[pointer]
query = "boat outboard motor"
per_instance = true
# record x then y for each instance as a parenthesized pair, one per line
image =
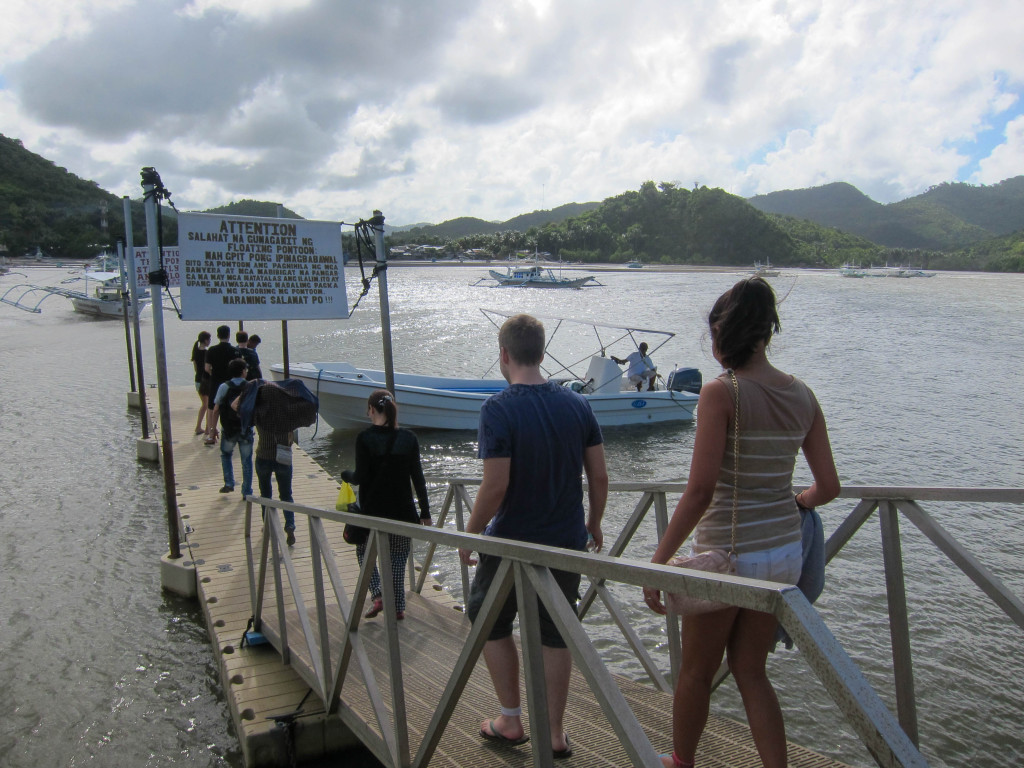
(684, 380)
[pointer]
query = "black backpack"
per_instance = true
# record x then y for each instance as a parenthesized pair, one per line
(230, 422)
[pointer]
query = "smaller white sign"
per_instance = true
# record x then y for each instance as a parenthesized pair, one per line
(172, 263)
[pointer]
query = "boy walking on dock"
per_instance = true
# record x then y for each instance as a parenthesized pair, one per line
(536, 440)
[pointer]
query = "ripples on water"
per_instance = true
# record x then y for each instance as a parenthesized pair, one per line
(917, 378)
(99, 666)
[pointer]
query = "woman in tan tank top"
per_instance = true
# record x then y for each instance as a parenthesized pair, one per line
(778, 417)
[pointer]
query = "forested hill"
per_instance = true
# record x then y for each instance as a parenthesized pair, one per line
(947, 217)
(664, 223)
(256, 208)
(43, 205)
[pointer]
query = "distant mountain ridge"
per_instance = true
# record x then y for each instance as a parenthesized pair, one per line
(947, 217)
(469, 225)
(255, 208)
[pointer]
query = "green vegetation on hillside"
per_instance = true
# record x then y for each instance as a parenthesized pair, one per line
(948, 217)
(663, 223)
(44, 206)
(999, 254)
(998, 209)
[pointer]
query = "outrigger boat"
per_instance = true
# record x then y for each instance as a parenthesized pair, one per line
(765, 270)
(851, 270)
(442, 402)
(535, 276)
(105, 300)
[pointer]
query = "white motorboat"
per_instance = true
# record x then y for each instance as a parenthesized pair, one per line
(442, 402)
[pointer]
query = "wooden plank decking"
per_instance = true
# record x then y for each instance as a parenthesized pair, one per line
(259, 687)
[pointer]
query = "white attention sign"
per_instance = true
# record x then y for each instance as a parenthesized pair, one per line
(248, 268)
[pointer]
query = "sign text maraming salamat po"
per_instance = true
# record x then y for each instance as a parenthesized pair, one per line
(248, 268)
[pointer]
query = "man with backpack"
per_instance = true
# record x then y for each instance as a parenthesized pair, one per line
(231, 432)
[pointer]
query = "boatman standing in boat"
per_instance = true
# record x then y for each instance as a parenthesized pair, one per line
(641, 368)
(536, 440)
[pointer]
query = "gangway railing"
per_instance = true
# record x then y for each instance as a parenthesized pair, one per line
(887, 501)
(527, 567)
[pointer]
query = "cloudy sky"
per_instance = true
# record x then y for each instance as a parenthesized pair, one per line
(431, 109)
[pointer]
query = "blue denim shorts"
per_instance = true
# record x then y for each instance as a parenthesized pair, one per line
(782, 564)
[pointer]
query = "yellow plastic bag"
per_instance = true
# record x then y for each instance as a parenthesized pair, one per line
(345, 497)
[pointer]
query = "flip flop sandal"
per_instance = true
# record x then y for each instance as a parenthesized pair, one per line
(563, 754)
(492, 734)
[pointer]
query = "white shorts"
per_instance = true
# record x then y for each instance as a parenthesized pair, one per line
(782, 564)
(635, 379)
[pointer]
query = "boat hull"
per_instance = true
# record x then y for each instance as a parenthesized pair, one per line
(437, 402)
(100, 307)
(538, 281)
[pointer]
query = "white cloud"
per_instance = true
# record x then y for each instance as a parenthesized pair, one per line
(1010, 154)
(431, 110)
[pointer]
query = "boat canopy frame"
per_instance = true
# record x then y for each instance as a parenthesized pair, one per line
(619, 332)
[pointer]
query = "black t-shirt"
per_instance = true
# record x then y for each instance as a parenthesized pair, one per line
(218, 356)
(199, 361)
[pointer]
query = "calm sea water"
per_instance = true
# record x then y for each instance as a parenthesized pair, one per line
(918, 380)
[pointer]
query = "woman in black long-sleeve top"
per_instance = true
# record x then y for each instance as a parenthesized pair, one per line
(387, 469)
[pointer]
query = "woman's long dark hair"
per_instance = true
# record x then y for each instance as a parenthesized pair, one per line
(203, 336)
(383, 401)
(743, 316)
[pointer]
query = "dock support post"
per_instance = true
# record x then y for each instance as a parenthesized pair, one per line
(133, 287)
(385, 307)
(179, 576)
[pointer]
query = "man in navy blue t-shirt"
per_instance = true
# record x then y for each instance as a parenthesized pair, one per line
(536, 440)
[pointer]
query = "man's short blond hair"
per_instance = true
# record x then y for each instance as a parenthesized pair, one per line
(523, 337)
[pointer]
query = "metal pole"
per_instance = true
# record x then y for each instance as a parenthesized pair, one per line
(385, 309)
(150, 180)
(124, 315)
(284, 347)
(129, 238)
(284, 323)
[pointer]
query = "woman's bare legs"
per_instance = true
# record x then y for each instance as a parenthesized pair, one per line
(704, 642)
(751, 639)
(202, 412)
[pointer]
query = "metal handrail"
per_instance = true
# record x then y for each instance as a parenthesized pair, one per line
(528, 566)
